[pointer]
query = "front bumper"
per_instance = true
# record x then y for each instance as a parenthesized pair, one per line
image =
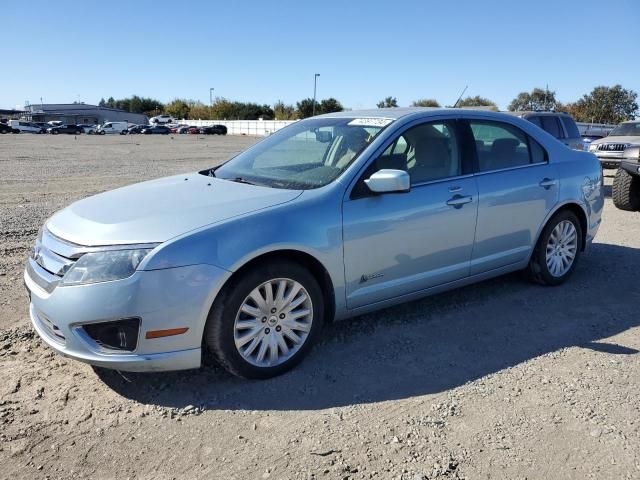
(162, 299)
(609, 159)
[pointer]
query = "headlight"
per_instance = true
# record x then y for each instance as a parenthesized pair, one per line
(592, 147)
(104, 266)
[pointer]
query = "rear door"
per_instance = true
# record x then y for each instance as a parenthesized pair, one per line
(517, 188)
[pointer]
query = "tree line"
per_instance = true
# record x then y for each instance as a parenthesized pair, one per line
(602, 105)
(224, 109)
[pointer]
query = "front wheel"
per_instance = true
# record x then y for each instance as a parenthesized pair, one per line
(558, 249)
(265, 321)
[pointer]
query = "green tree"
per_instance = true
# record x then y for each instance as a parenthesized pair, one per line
(102, 102)
(329, 105)
(178, 108)
(425, 102)
(477, 101)
(605, 105)
(199, 111)
(388, 102)
(281, 111)
(304, 108)
(539, 100)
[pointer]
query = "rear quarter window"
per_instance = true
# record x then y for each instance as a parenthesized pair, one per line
(552, 126)
(570, 126)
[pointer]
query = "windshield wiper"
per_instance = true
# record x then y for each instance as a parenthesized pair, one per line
(242, 180)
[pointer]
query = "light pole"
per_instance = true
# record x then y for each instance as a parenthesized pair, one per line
(211, 96)
(315, 82)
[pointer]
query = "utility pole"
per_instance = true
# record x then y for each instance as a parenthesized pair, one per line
(315, 83)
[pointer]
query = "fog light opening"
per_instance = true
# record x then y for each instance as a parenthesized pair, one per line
(116, 335)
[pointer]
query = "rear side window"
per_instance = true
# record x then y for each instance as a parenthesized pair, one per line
(570, 126)
(535, 121)
(552, 126)
(501, 145)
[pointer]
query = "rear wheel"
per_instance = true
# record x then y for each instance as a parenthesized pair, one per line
(266, 320)
(78, 132)
(626, 191)
(558, 250)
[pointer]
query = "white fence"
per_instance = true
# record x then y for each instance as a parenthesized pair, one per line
(260, 128)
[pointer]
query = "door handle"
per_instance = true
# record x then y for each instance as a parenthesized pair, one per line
(457, 201)
(547, 183)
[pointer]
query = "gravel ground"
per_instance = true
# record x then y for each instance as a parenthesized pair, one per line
(503, 379)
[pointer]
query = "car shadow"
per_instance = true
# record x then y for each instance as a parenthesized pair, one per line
(426, 346)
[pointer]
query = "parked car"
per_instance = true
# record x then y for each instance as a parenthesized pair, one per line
(119, 128)
(193, 130)
(69, 129)
(161, 119)
(214, 130)
(184, 129)
(23, 126)
(88, 129)
(626, 184)
(175, 128)
(560, 125)
(5, 128)
(136, 129)
(610, 150)
(155, 130)
(328, 218)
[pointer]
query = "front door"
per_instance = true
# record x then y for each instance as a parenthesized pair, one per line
(400, 243)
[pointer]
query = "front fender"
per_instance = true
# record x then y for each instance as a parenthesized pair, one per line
(312, 224)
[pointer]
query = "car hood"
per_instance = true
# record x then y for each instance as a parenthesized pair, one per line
(155, 211)
(617, 139)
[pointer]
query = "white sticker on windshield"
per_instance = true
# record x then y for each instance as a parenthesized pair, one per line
(371, 122)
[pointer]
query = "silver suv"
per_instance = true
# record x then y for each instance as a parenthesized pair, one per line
(558, 124)
(610, 149)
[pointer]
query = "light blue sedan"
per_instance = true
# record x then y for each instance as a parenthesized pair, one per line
(331, 217)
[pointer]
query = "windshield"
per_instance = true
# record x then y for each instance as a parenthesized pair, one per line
(626, 130)
(307, 154)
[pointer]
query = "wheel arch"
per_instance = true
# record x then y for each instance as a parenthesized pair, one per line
(574, 207)
(311, 263)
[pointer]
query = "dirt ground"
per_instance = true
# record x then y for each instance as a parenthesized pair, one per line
(503, 379)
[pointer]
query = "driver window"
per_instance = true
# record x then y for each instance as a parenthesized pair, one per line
(427, 152)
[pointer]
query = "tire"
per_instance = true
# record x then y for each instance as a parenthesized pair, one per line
(55, 132)
(78, 132)
(626, 191)
(102, 132)
(221, 332)
(541, 269)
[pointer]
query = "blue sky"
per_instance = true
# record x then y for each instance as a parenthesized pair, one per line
(263, 51)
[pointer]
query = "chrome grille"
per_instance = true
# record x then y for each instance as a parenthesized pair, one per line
(611, 147)
(53, 255)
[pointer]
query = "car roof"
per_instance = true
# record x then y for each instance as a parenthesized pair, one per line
(402, 112)
(533, 112)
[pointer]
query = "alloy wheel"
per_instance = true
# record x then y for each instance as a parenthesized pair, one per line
(562, 248)
(273, 322)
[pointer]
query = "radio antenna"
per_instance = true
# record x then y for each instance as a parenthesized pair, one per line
(460, 97)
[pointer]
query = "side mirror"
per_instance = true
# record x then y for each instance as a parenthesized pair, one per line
(389, 181)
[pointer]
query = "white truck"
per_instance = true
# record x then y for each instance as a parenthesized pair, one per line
(112, 128)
